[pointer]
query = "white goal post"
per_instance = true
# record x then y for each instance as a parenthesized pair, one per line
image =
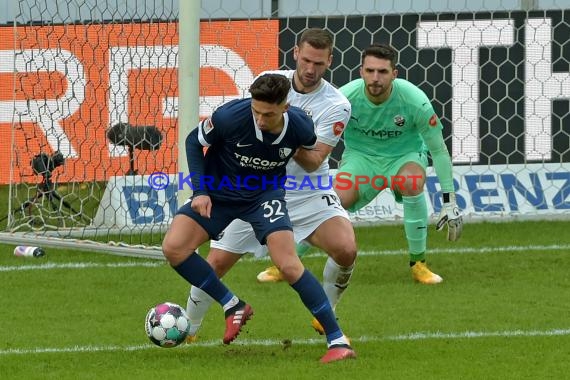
(498, 78)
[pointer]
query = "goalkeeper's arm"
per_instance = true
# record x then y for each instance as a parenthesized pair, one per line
(450, 214)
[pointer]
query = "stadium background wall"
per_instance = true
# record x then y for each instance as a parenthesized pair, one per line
(501, 82)
(498, 74)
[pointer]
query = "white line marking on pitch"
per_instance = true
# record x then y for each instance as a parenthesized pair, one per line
(273, 342)
(81, 266)
(464, 250)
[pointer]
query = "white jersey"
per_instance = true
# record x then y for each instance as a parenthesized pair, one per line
(308, 209)
(330, 111)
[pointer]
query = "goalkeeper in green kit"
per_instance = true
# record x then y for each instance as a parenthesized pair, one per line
(392, 128)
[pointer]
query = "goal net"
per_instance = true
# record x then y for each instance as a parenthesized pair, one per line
(91, 101)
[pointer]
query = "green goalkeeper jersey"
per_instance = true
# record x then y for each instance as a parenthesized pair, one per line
(393, 128)
(406, 122)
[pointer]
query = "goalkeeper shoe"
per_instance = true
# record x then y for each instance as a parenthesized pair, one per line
(191, 339)
(271, 274)
(317, 326)
(338, 352)
(320, 330)
(421, 273)
(236, 317)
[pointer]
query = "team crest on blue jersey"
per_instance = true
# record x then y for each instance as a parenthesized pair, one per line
(284, 152)
(399, 120)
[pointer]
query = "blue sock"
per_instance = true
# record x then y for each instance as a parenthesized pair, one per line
(199, 273)
(315, 299)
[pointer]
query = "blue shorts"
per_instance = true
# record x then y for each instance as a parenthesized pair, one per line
(266, 214)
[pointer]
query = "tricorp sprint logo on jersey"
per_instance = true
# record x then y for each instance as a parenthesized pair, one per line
(260, 163)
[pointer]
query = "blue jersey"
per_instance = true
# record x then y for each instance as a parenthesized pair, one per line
(242, 162)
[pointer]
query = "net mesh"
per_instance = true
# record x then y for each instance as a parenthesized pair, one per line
(498, 78)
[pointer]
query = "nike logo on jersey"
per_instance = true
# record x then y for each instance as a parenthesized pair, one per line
(271, 220)
(240, 145)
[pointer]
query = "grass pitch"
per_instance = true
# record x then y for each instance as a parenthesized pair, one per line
(501, 313)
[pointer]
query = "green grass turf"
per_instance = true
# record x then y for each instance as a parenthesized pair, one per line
(501, 313)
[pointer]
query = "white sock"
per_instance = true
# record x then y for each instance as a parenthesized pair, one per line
(342, 340)
(335, 280)
(198, 304)
(231, 303)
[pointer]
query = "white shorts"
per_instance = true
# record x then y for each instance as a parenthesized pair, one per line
(307, 211)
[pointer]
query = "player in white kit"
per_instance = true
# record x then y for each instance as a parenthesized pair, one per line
(314, 208)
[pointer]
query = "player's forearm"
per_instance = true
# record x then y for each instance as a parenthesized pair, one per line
(312, 159)
(195, 157)
(441, 159)
(444, 170)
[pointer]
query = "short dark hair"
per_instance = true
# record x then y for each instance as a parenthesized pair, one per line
(270, 88)
(317, 38)
(381, 51)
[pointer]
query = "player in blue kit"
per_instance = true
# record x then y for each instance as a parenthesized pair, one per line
(314, 210)
(251, 138)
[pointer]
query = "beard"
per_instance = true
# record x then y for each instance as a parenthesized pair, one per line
(376, 90)
(309, 81)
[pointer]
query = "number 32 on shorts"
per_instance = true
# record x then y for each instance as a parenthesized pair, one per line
(273, 210)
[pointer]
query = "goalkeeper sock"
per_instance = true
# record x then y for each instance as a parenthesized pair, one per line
(412, 263)
(415, 225)
(198, 304)
(335, 280)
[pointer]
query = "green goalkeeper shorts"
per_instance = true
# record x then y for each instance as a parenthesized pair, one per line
(376, 174)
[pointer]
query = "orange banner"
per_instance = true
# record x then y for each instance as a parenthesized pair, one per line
(63, 86)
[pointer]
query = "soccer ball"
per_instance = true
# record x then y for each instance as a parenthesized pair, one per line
(167, 324)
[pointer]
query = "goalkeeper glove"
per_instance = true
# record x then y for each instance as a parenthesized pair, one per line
(451, 216)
